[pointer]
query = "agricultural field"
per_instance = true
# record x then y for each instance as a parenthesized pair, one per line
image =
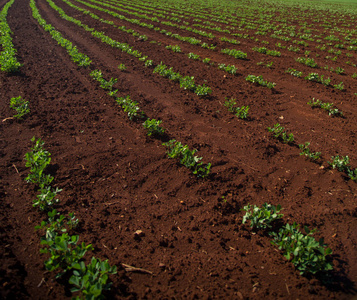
(178, 149)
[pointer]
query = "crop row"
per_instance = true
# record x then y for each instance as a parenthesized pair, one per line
(66, 255)
(187, 39)
(131, 108)
(8, 61)
(188, 82)
(291, 48)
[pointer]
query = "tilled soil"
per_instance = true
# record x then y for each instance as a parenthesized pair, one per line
(118, 180)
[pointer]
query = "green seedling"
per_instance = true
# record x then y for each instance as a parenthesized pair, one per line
(122, 67)
(20, 105)
(294, 72)
(325, 106)
(193, 56)
(307, 254)
(305, 150)
(240, 112)
(92, 279)
(188, 158)
(279, 133)
(260, 81)
(153, 127)
(130, 107)
(261, 218)
(37, 160)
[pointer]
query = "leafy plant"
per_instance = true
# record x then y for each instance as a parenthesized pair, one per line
(153, 127)
(240, 112)
(231, 69)
(339, 86)
(279, 133)
(206, 60)
(193, 56)
(325, 106)
(307, 254)
(203, 90)
(235, 53)
(188, 158)
(261, 218)
(260, 80)
(122, 67)
(294, 72)
(104, 84)
(46, 198)
(175, 48)
(131, 107)
(148, 63)
(320, 79)
(188, 83)
(305, 150)
(20, 105)
(37, 160)
(91, 280)
(307, 61)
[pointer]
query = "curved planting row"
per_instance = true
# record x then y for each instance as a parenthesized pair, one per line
(8, 60)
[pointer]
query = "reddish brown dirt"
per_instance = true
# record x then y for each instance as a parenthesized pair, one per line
(117, 180)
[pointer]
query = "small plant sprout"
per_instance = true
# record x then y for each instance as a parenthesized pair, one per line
(261, 218)
(305, 150)
(279, 133)
(37, 160)
(153, 127)
(193, 56)
(294, 72)
(131, 107)
(339, 86)
(341, 164)
(240, 112)
(260, 80)
(325, 106)
(187, 158)
(307, 254)
(122, 67)
(20, 105)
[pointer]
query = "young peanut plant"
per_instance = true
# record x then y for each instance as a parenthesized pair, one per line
(325, 106)
(305, 150)
(240, 112)
(261, 218)
(260, 81)
(153, 127)
(20, 105)
(341, 164)
(307, 254)
(37, 160)
(279, 133)
(187, 158)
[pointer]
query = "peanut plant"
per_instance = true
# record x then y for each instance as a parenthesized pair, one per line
(260, 81)
(307, 254)
(279, 133)
(261, 218)
(341, 164)
(305, 150)
(153, 127)
(325, 106)
(187, 158)
(20, 105)
(130, 107)
(240, 112)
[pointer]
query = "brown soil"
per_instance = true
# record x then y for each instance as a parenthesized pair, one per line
(117, 180)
